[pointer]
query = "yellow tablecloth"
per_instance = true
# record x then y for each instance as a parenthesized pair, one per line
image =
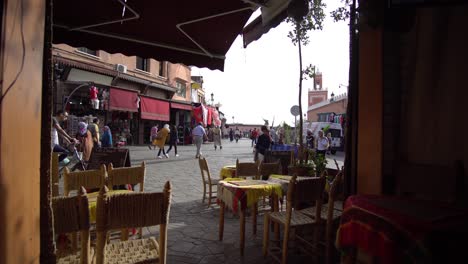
(228, 171)
(92, 199)
(247, 195)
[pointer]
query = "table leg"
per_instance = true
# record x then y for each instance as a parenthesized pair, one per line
(254, 218)
(221, 220)
(242, 231)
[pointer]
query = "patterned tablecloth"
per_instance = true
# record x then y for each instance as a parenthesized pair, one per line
(228, 171)
(241, 194)
(398, 230)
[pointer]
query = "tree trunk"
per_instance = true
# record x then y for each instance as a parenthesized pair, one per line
(301, 144)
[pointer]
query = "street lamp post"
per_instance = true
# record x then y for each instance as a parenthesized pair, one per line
(331, 97)
(212, 100)
(233, 120)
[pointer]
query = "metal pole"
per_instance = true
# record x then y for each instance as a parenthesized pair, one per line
(295, 130)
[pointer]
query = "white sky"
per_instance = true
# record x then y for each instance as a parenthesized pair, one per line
(262, 80)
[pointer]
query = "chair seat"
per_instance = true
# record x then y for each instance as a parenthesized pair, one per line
(311, 212)
(133, 251)
(297, 218)
(70, 256)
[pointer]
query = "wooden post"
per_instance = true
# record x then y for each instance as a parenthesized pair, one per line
(221, 220)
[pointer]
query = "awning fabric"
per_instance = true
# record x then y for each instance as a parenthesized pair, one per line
(123, 100)
(195, 33)
(154, 109)
(181, 106)
(256, 29)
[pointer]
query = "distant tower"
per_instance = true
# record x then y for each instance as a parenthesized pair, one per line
(318, 94)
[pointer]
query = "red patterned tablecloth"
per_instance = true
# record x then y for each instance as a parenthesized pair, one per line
(397, 230)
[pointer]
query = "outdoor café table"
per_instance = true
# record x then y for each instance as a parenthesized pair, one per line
(228, 171)
(402, 230)
(238, 195)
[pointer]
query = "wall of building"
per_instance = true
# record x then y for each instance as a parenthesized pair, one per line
(108, 61)
(182, 73)
(316, 97)
(337, 107)
(20, 125)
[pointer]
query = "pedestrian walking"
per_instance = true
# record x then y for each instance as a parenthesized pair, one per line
(94, 129)
(198, 134)
(231, 135)
(161, 140)
(173, 138)
(85, 138)
(264, 142)
(322, 144)
(153, 135)
(253, 136)
(237, 134)
(217, 137)
(106, 139)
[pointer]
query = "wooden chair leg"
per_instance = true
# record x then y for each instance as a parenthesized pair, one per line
(266, 233)
(204, 193)
(221, 220)
(284, 257)
(209, 196)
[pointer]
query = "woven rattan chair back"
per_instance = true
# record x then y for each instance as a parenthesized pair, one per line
(89, 179)
(126, 175)
(132, 210)
(247, 169)
(266, 169)
(71, 215)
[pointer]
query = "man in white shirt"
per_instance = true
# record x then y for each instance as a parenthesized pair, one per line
(322, 144)
(198, 133)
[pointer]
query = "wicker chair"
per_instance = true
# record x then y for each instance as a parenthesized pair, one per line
(132, 210)
(89, 179)
(126, 175)
(247, 169)
(304, 190)
(71, 215)
(330, 213)
(207, 181)
(266, 169)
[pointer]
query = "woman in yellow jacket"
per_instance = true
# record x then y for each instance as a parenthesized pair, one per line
(161, 140)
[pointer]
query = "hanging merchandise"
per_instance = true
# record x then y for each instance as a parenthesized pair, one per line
(138, 102)
(105, 100)
(205, 114)
(209, 116)
(216, 120)
(198, 114)
(93, 96)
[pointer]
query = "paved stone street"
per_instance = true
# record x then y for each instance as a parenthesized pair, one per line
(193, 228)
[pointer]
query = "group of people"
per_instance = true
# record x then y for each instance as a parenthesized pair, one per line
(234, 134)
(159, 137)
(85, 140)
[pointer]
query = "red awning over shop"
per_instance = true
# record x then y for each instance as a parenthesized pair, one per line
(123, 100)
(181, 106)
(153, 109)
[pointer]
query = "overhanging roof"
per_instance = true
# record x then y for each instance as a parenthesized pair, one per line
(191, 32)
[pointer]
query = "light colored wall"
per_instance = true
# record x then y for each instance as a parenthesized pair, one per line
(182, 73)
(338, 107)
(20, 124)
(108, 61)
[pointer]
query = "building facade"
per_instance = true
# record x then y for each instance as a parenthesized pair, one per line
(132, 94)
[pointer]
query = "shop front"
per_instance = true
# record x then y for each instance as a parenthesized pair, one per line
(122, 117)
(181, 117)
(153, 112)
